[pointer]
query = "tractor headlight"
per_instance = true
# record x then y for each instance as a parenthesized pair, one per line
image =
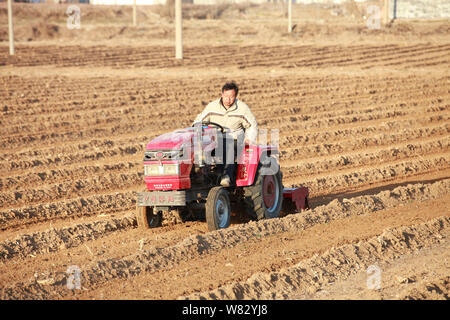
(167, 169)
(171, 169)
(151, 170)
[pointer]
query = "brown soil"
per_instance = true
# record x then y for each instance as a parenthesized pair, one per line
(363, 119)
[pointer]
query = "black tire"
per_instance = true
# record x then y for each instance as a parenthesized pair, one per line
(146, 219)
(257, 207)
(218, 209)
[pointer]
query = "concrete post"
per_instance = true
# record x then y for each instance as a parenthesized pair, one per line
(289, 16)
(10, 28)
(178, 30)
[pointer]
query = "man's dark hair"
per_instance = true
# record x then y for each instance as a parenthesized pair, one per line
(230, 86)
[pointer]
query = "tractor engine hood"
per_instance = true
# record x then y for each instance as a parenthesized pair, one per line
(183, 139)
(172, 140)
(172, 148)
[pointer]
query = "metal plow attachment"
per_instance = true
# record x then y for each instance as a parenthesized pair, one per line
(295, 199)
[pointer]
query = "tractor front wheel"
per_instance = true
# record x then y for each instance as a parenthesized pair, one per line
(147, 219)
(218, 209)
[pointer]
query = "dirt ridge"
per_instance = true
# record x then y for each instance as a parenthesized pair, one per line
(151, 259)
(337, 263)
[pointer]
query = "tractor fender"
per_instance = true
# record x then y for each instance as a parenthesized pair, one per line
(249, 160)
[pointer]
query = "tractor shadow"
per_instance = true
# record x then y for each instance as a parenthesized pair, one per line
(326, 199)
(239, 216)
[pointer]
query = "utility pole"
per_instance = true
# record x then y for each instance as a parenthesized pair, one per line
(10, 29)
(134, 13)
(395, 10)
(178, 31)
(386, 12)
(289, 16)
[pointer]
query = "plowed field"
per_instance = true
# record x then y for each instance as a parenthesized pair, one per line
(364, 124)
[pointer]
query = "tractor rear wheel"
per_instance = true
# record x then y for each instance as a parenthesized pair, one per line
(147, 219)
(265, 197)
(218, 209)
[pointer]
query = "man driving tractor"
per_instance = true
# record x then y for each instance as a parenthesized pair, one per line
(235, 116)
(196, 183)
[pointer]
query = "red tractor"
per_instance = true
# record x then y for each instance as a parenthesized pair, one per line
(183, 177)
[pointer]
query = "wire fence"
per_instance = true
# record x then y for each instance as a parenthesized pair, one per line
(420, 9)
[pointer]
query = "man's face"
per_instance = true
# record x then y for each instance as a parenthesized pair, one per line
(228, 97)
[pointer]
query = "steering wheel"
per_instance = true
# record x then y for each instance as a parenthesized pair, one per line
(207, 123)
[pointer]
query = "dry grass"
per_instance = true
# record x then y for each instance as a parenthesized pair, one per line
(201, 12)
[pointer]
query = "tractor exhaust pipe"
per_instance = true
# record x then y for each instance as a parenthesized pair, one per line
(198, 152)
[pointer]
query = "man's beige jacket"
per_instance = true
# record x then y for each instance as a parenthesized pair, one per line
(236, 118)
